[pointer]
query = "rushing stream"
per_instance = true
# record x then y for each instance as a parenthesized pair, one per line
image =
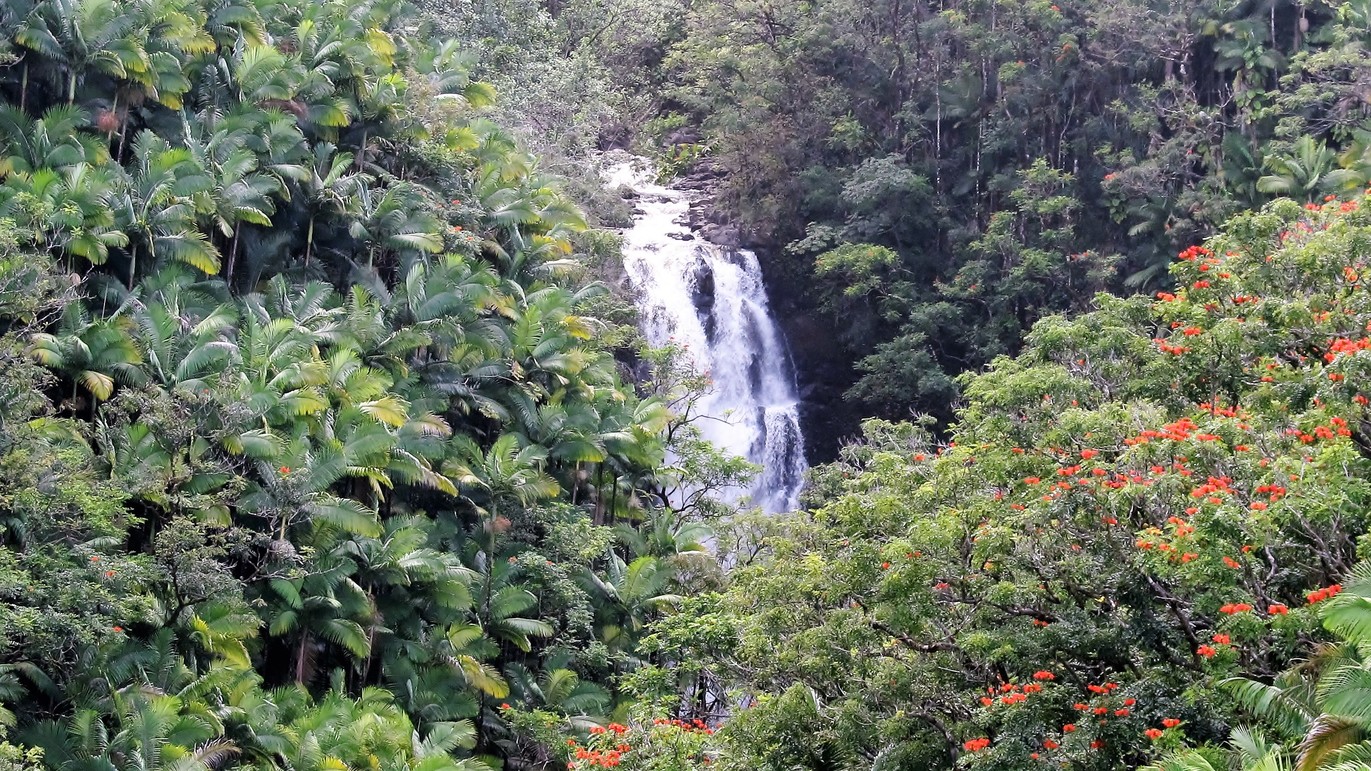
(711, 300)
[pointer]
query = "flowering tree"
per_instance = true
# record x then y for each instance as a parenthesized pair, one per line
(1152, 498)
(661, 745)
(1317, 713)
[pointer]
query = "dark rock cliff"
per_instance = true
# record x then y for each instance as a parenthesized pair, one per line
(823, 371)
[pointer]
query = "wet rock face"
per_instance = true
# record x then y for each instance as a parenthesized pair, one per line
(702, 295)
(711, 301)
(823, 373)
(688, 135)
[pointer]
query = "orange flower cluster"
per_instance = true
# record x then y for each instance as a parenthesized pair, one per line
(1011, 693)
(1319, 595)
(1177, 431)
(1190, 254)
(1213, 487)
(594, 758)
(1174, 350)
(1344, 346)
(692, 726)
(1234, 608)
(607, 758)
(976, 745)
(611, 743)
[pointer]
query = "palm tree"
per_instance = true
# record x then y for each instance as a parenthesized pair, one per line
(325, 603)
(371, 731)
(506, 474)
(448, 69)
(52, 141)
(67, 211)
(97, 37)
(1251, 751)
(328, 189)
(181, 345)
(558, 688)
(94, 355)
(396, 568)
(157, 206)
(149, 731)
(175, 32)
(239, 192)
(33, 32)
(632, 592)
(394, 219)
(1305, 174)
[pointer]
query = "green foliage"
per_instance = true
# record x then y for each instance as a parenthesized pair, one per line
(311, 441)
(1153, 498)
(1014, 157)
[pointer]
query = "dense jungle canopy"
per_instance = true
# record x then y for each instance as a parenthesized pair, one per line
(330, 439)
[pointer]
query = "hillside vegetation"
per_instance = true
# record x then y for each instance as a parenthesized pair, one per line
(312, 444)
(327, 442)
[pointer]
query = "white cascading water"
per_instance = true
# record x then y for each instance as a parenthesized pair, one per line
(711, 301)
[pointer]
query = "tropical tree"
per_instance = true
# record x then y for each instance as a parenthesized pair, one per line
(157, 206)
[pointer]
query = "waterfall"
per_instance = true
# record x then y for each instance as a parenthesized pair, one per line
(711, 301)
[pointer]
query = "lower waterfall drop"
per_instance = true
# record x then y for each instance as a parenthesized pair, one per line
(711, 300)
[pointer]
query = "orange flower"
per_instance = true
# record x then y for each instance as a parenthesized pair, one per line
(1153, 733)
(1170, 722)
(1206, 651)
(1277, 609)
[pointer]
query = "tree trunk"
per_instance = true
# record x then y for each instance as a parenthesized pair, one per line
(233, 257)
(300, 659)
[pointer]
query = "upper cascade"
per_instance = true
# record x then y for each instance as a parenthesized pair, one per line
(712, 302)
